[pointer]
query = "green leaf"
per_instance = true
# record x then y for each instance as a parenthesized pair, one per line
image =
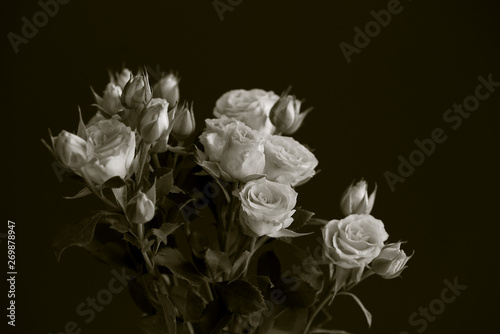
(111, 253)
(121, 196)
(291, 321)
(214, 318)
(114, 182)
(301, 296)
(151, 324)
(132, 240)
(163, 232)
(146, 246)
(318, 222)
(168, 312)
(173, 260)
(240, 297)
(218, 264)
(164, 181)
(82, 193)
(139, 294)
(265, 325)
(78, 234)
(300, 218)
(269, 265)
(118, 222)
(188, 302)
(367, 313)
(284, 233)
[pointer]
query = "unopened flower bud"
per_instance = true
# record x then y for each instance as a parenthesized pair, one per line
(390, 262)
(120, 78)
(154, 120)
(299, 117)
(184, 123)
(140, 209)
(355, 199)
(136, 92)
(111, 103)
(71, 150)
(167, 88)
(282, 114)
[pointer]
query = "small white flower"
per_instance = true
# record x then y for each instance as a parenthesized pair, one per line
(251, 107)
(355, 199)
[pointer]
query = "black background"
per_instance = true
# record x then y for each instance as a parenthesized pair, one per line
(367, 113)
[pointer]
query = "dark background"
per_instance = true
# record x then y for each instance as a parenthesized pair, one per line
(367, 113)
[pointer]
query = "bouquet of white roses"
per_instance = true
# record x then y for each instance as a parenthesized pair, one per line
(208, 224)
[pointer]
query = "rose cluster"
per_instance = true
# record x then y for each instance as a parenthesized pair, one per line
(138, 154)
(129, 113)
(355, 242)
(243, 147)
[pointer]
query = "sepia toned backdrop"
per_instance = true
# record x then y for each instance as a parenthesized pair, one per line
(386, 80)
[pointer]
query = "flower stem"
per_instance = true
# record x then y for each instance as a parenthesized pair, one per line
(143, 157)
(325, 300)
(155, 161)
(92, 188)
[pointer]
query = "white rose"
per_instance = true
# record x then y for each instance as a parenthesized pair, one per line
(237, 149)
(391, 261)
(354, 241)
(266, 207)
(244, 154)
(216, 136)
(288, 161)
(98, 116)
(113, 147)
(71, 150)
(252, 107)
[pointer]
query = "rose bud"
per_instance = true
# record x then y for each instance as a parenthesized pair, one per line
(299, 116)
(355, 199)
(136, 92)
(120, 78)
(71, 150)
(282, 114)
(140, 209)
(154, 120)
(184, 123)
(111, 99)
(391, 261)
(167, 88)
(162, 144)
